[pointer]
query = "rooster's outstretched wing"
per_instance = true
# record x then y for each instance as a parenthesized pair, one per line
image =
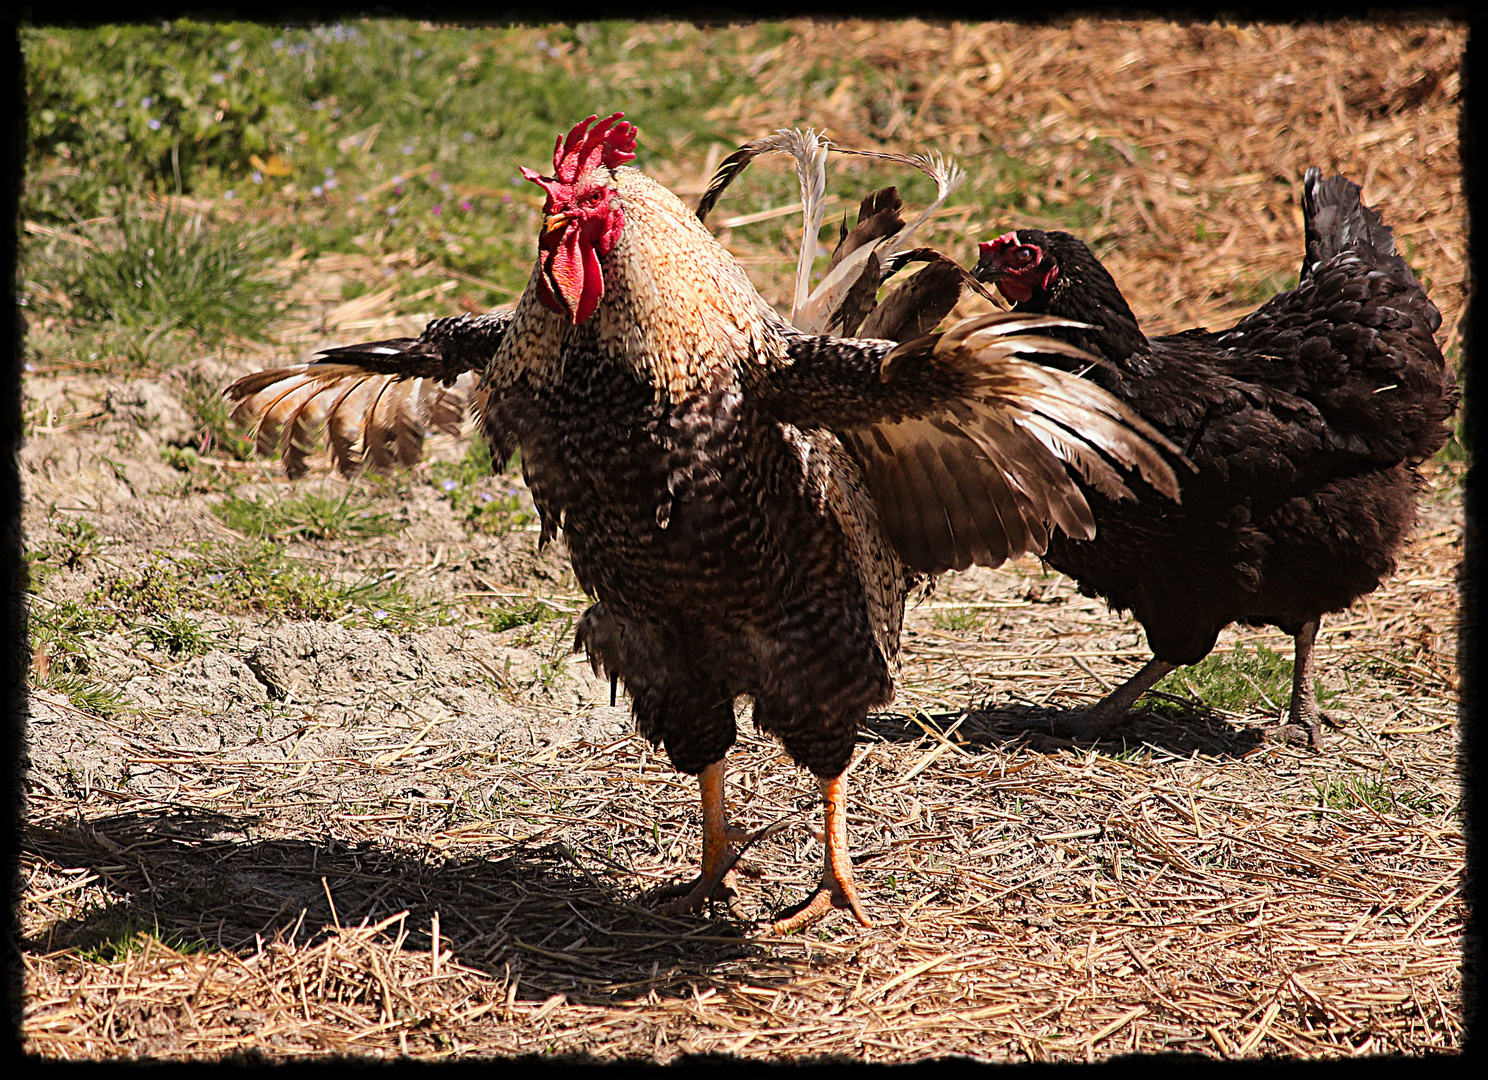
(373, 402)
(963, 437)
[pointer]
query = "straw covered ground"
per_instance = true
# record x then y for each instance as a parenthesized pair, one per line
(295, 833)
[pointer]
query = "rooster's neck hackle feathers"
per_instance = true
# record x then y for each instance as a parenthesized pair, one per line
(677, 307)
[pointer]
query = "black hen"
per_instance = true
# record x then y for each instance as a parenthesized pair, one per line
(1304, 422)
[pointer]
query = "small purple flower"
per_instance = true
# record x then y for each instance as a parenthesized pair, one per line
(330, 171)
(449, 485)
(257, 177)
(119, 103)
(331, 184)
(217, 78)
(467, 137)
(437, 210)
(379, 614)
(146, 102)
(317, 191)
(153, 124)
(398, 189)
(466, 205)
(390, 211)
(229, 194)
(361, 197)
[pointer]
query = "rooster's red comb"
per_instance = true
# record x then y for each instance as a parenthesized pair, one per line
(606, 143)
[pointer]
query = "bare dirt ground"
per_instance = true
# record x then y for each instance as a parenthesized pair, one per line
(327, 837)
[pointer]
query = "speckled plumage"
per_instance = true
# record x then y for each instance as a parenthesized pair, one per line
(748, 504)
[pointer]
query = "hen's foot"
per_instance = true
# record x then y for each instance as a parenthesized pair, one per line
(1307, 731)
(715, 884)
(1098, 721)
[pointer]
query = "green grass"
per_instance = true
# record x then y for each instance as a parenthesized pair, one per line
(1357, 791)
(511, 616)
(99, 698)
(255, 577)
(64, 630)
(309, 517)
(120, 932)
(468, 483)
(150, 289)
(179, 635)
(1244, 679)
(958, 620)
(372, 134)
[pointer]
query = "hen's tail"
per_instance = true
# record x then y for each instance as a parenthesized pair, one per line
(1336, 219)
(372, 403)
(1369, 342)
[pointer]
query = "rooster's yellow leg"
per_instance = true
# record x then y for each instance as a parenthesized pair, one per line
(716, 882)
(836, 889)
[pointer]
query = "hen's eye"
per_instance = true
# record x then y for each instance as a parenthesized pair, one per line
(1023, 255)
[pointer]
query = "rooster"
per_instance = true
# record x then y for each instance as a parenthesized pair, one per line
(745, 501)
(1305, 421)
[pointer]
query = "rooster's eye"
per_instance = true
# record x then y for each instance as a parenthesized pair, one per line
(1023, 255)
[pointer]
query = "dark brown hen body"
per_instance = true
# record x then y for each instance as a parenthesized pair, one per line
(745, 502)
(1304, 422)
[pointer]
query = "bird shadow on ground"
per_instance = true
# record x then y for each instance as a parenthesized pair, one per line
(199, 881)
(1181, 727)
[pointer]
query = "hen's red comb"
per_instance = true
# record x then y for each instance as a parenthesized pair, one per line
(1002, 243)
(606, 143)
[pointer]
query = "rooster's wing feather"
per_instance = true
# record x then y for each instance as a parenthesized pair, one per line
(375, 401)
(963, 437)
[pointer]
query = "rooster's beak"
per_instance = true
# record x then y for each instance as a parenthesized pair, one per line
(554, 223)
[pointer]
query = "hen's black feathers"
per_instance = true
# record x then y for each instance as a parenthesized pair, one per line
(1304, 421)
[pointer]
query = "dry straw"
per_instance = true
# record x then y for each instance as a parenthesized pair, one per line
(1201, 891)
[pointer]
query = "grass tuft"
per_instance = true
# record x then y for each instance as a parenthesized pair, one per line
(1238, 681)
(179, 635)
(258, 577)
(176, 272)
(99, 698)
(310, 517)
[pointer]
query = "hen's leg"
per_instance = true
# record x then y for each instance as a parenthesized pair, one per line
(836, 889)
(1304, 716)
(1105, 713)
(716, 882)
